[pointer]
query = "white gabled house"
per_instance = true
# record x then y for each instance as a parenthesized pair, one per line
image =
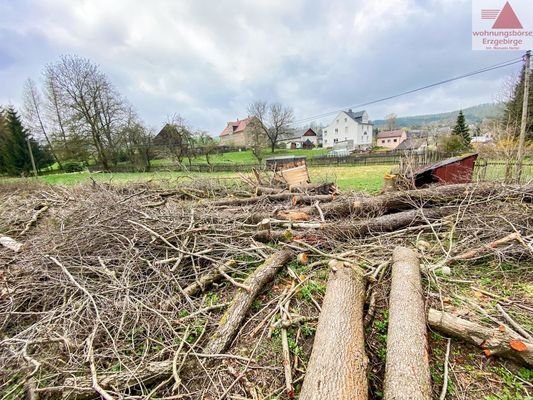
(350, 130)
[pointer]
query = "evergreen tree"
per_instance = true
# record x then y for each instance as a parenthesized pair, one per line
(16, 152)
(3, 143)
(512, 115)
(461, 129)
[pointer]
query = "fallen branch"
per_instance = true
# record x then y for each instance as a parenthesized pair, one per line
(479, 251)
(34, 219)
(214, 274)
(232, 318)
(493, 341)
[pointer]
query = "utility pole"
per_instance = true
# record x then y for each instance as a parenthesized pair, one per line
(31, 157)
(523, 124)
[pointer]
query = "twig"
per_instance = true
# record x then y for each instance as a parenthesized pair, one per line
(514, 324)
(233, 281)
(320, 212)
(445, 378)
(33, 219)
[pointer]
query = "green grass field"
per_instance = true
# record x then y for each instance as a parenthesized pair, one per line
(359, 178)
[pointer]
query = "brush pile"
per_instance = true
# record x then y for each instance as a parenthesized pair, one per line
(203, 290)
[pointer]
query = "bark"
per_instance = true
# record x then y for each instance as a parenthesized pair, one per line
(407, 375)
(493, 341)
(385, 223)
(231, 320)
(434, 196)
(337, 369)
(267, 236)
(295, 199)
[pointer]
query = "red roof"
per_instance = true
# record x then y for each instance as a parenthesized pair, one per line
(390, 134)
(236, 126)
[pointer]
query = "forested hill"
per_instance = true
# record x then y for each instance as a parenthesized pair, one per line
(473, 115)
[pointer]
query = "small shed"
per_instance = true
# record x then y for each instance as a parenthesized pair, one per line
(451, 170)
(285, 162)
(289, 169)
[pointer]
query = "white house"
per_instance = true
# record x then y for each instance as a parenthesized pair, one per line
(350, 130)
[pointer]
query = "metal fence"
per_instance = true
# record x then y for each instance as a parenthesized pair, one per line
(501, 171)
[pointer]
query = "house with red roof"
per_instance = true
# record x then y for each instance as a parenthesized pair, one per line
(237, 133)
(391, 139)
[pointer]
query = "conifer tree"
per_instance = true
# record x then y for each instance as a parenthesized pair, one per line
(461, 129)
(512, 115)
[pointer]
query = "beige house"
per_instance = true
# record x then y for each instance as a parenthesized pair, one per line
(237, 133)
(391, 139)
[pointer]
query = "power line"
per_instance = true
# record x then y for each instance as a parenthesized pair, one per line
(480, 71)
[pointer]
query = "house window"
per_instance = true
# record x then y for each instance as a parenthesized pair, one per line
(395, 140)
(388, 140)
(364, 133)
(325, 141)
(325, 133)
(346, 129)
(335, 140)
(345, 119)
(337, 121)
(336, 130)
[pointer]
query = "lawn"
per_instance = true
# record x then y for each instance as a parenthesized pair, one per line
(359, 178)
(246, 157)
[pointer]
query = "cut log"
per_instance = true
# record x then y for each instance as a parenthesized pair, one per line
(493, 341)
(10, 243)
(434, 196)
(233, 317)
(407, 375)
(267, 236)
(337, 369)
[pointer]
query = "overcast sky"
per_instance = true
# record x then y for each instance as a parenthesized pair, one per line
(208, 59)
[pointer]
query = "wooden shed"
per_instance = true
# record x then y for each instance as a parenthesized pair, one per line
(290, 169)
(285, 162)
(451, 170)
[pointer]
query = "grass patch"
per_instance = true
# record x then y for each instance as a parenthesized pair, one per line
(360, 177)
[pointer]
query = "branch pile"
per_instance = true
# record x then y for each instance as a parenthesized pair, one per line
(208, 290)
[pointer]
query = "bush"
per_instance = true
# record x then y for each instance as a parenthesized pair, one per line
(73, 166)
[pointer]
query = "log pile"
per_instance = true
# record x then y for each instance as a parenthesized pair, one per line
(221, 291)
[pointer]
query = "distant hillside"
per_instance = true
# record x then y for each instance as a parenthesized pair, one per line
(473, 115)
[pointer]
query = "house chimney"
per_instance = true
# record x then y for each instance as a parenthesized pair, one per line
(350, 110)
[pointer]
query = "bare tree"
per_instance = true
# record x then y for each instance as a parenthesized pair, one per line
(90, 103)
(206, 145)
(176, 136)
(33, 115)
(55, 110)
(274, 120)
(390, 121)
(138, 141)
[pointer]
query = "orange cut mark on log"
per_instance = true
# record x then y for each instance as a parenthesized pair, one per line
(518, 345)
(487, 352)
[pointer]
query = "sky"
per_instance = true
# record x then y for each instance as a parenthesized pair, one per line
(207, 60)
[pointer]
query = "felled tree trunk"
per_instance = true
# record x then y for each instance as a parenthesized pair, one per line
(434, 196)
(232, 318)
(385, 223)
(338, 363)
(407, 375)
(493, 341)
(295, 199)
